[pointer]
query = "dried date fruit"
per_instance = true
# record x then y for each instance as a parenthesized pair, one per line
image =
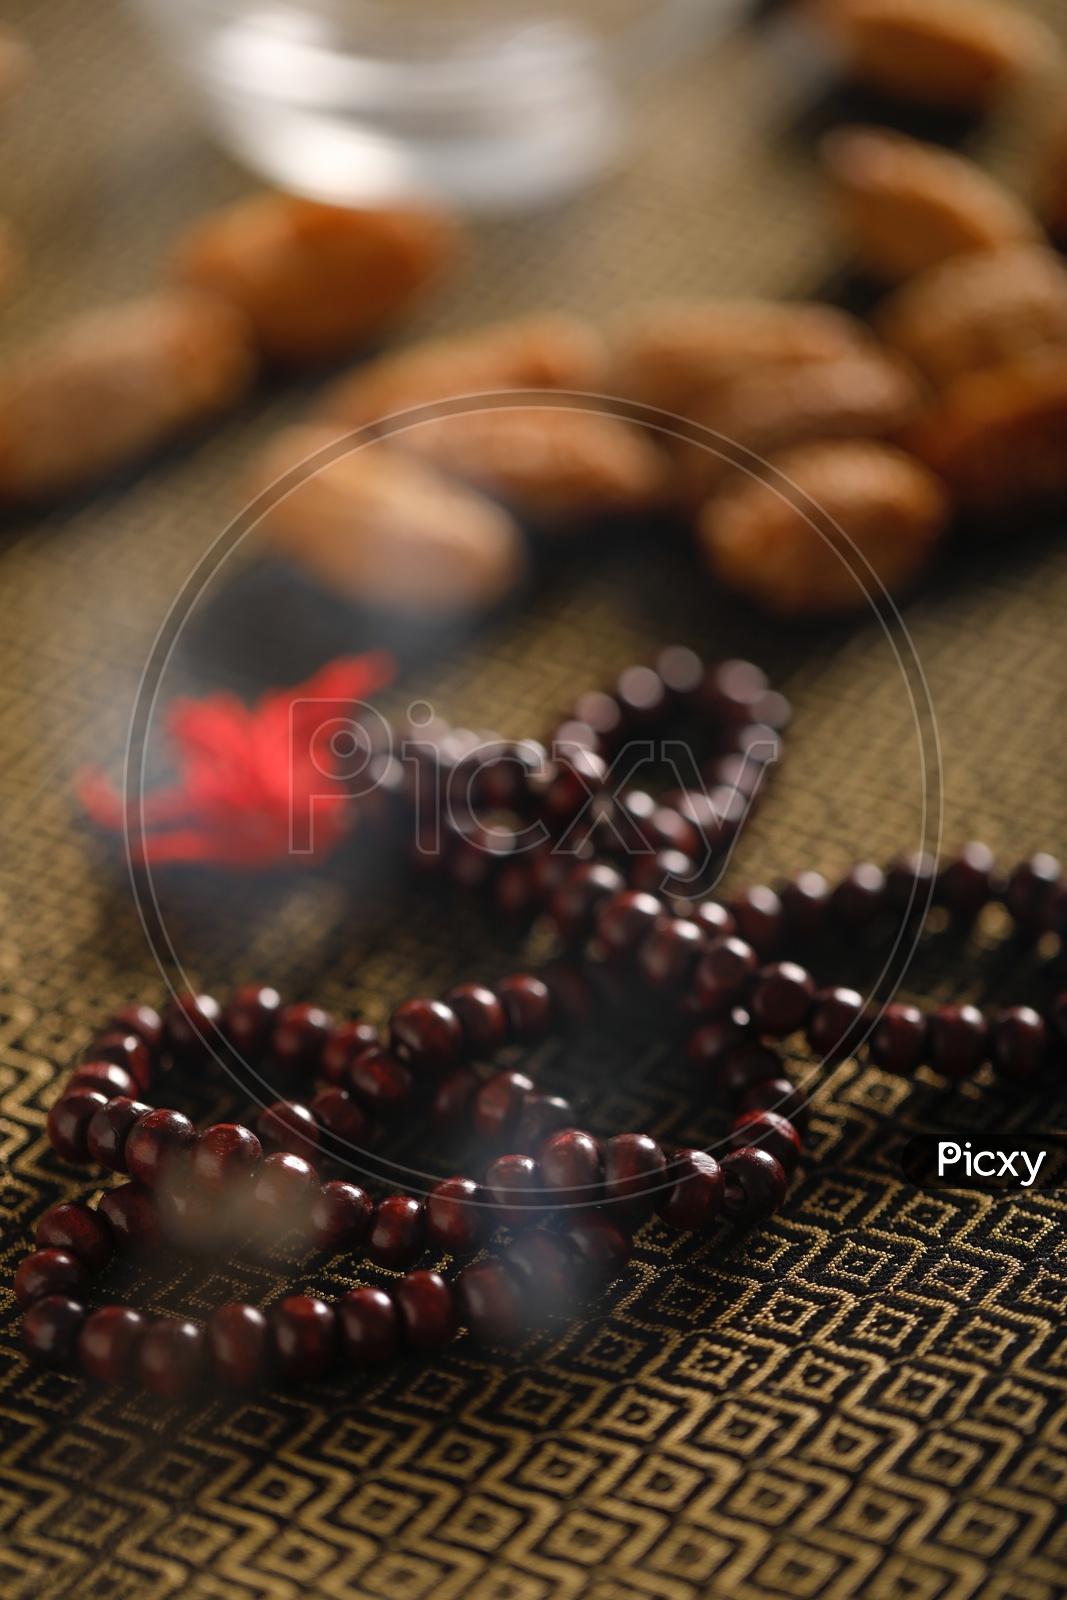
(315, 281)
(978, 311)
(109, 386)
(906, 206)
(962, 55)
(784, 548)
(540, 351)
(387, 530)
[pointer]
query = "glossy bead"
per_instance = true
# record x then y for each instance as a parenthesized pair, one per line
(766, 1130)
(224, 1157)
(50, 1329)
(452, 1095)
(571, 993)
(602, 713)
(860, 895)
(126, 1050)
(345, 1043)
(189, 1024)
(106, 1077)
(146, 1023)
(836, 1025)
(1029, 890)
(695, 1196)
(778, 1094)
(723, 972)
(109, 1341)
(498, 1103)
(527, 1005)
(380, 1081)
(1018, 1043)
(131, 1215)
(541, 1116)
(623, 921)
(488, 1302)
(579, 775)
(281, 1193)
(482, 1018)
(71, 1226)
(749, 1064)
(682, 672)
(304, 1337)
(335, 1111)
(959, 1040)
(966, 884)
(195, 1222)
(513, 1189)
(109, 1130)
(427, 1310)
(172, 1358)
(340, 1216)
(248, 1019)
(642, 697)
(158, 1145)
(370, 1326)
(572, 1168)
(238, 1344)
(715, 920)
(730, 690)
(575, 901)
(50, 1272)
(669, 954)
(900, 1039)
(634, 1171)
(457, 1215)
(397, 1234)
(68, 1123)
(286, 1125)
(426, 1035)
(806, 901)
(299, 1036)
(714, 1041)
(755, 1185)
(910, 882)
(603, 1248)
(546, 1267)
(666, 871)
(781, 998)
(760, 919)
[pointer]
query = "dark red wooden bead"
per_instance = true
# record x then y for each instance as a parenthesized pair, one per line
(723, 972)
(224, 1157)
(715, 920)
(130, 1213)
(286, 1125)
(910, 882)
(623, 921)
(282, 1190)
(900, 1040)
(68, 1123)
(547, 1268)
(158, 1145)
(488, 1300)
(189, 1026)
(340, 1216)
(528, 1006)
(397, 1234)
(50, 1329)
(634, 1171)
(482, 1018)
(452, 1095)
(571, 993)
(347, 1041)
(572, 1168)
(304, 1336)
(248, 1019)
(766, 1130)
(106, 1077)
(541, 1116)
(457, 1215)
(380, 1081)
(1019, 1043)
(334, 1109)
(669, 954)
(299, 1036)
(806, 900)
(781, 998)
(601, 712)
(513, 1189)
(1029, 891)
(141, 1020)
(959, 1040)
(109, 1130)
(498, 1102)
(602, 1246)
(50, 1272)
(643, 698)
(695, 1196)
(575, 901)
(860, 895)
(427, 1310)
(426, 1035)
(370, 1326)
(71, 1226)
(126, 1050)
(172, 1358)
(778, 1094)
(731, 689)
(199, 1223)
(713, 1041)
(966, 884)
(755, 1185)
(664, 872)
(760, 919)
(109, 1342)
(579, 775)
(749, 1064)
(837, 1024)
(238, 1342)
(682, 672)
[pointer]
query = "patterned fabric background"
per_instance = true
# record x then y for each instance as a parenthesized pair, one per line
(866, 1397)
